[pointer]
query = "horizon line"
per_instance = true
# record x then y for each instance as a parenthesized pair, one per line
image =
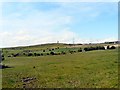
(57, 43)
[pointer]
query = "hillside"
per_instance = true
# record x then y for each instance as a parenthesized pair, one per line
(95, 69)
(51, 48)
(61, 66)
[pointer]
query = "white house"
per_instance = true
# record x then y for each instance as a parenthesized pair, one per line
(105, 47)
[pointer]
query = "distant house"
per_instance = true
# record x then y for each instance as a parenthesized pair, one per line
(110, 46)
(105, 47)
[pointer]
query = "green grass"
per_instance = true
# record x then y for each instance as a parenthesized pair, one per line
(93, 69)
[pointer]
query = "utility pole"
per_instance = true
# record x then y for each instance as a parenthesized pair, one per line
(57, 41)
(73, 41)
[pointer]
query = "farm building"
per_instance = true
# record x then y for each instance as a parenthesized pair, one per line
(105, 47)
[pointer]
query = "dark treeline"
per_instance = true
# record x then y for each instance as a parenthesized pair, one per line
(94, 48)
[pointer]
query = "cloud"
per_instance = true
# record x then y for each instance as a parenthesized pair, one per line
(25, 38)
(109, 39)
(28, 25)
(22, 37)
(37, 27)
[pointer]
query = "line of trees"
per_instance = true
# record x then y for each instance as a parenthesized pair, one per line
(94, 48)
(37, 54)
(98, 48)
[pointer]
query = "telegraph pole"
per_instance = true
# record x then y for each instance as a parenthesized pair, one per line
(73, 41)
(57, 41)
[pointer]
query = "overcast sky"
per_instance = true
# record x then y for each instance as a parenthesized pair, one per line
(29, 23)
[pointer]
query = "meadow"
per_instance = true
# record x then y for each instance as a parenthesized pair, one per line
(92, 69)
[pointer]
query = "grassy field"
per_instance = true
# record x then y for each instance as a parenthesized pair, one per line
(93, 69)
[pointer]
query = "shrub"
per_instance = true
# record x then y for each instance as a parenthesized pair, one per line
(53, 49)
(47, 53)
(108, 47)
(41, 54)
(74, 51)
(9, 55)
(4, 66)
(97, 47)
(57, 48)
(15, 55)
(43, 50)
(27, 51)
(71, 51)
(79, 50)
(2, 54)
(24, 54)
(38, 54)
(12, 54)
(101, 48)
(52, 53)
(35, 54)
(86, 49)
(3, 58)
(94, 48)
(63, 52)
(30, 54)
(58, 53)
(49, 49)
(112, 47)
